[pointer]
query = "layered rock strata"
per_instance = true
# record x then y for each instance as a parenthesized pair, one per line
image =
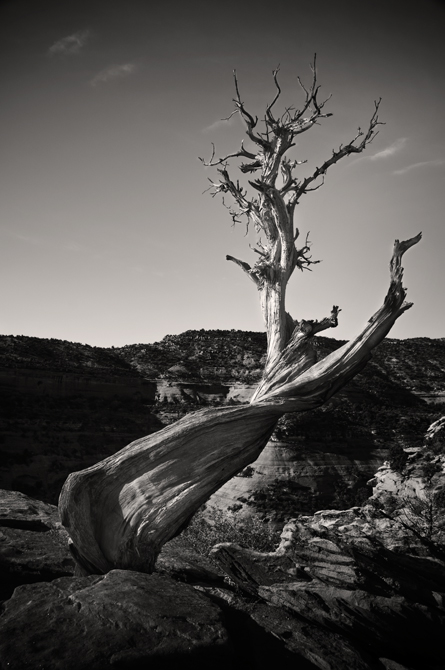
(66, 406)
(374, 575)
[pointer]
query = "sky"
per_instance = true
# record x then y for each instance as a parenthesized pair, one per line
(106, 234)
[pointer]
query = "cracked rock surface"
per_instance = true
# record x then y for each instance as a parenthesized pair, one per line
(121, 619)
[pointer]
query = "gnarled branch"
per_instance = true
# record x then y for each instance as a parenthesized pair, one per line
(343, 151)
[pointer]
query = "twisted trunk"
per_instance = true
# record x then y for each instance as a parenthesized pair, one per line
(121, 511)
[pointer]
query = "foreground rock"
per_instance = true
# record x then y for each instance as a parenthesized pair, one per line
(123, 619)
(33, 543)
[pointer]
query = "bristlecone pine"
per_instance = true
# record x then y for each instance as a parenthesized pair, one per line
(121, 511)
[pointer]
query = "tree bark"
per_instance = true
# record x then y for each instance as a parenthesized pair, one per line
(121, 511)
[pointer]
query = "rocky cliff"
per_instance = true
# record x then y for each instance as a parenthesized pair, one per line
(64, 406)
(373, 576)
(69, 405)
(320, 458)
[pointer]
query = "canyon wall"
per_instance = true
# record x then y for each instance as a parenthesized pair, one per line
(68, 405)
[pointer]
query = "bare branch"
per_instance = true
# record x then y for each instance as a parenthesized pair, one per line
(302, 258)
(341, 153)
(235, 215)
(245, 267)
(227, 118)
(397, 293)
(250, 167)
(269, 115)
(298, 123)
(315, 188)
(249, 120)
(328, 322)
(242, 152)
(257, 251)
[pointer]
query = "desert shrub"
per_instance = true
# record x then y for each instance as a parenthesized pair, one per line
(437, 446)
(439, 497)
(283, 499)
(386, 503)
(425, 515)
(397, 457)
(212, 527)
(234, 508)
(429, 469)
(346, 496)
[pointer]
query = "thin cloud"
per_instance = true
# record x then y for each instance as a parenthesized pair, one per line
(220, 123)
(436, 163)
(44, 242)
(28, 239)
(71, 44)
(113, 72)
(393, 148)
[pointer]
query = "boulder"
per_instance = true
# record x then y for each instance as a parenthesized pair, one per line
(33, 543)
(123, 619)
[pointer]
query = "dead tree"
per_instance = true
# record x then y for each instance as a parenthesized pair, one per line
(121, 511)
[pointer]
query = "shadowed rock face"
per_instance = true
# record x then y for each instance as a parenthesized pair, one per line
(301, 475)
(33, 543)
(374, 574)
(64, 407)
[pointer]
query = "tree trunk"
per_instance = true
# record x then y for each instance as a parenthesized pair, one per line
(121, 511)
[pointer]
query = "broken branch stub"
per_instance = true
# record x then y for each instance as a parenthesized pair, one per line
(121, 511)
(287, 379)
